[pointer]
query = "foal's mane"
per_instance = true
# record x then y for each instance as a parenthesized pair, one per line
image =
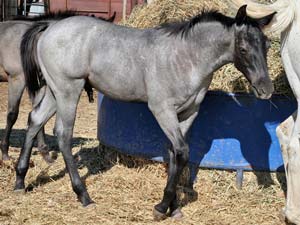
(49, 16)
(184, 28)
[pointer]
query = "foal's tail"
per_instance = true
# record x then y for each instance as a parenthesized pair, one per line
(33, 76)
(286, 12)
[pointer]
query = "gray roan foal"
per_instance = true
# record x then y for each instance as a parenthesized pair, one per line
(169, 67)
(11, 33)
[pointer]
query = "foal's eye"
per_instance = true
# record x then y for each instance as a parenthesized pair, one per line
(243, 51)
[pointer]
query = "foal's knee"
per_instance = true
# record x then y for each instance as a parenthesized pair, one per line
(182, 154)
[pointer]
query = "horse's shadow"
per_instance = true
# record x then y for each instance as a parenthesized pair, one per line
(17, 139)
(103, 158)
(96, 159)
(92, 162)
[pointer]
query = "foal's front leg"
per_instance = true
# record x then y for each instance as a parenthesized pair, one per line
(179, 153)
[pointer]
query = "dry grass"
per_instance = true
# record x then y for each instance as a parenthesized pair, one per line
(165, 11)
(124, 188)
(228, 78)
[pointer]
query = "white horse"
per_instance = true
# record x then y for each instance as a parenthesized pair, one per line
(286, 22)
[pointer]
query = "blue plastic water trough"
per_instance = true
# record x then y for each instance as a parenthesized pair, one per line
(232, 131)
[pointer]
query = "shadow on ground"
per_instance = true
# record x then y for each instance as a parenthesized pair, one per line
(99, 159)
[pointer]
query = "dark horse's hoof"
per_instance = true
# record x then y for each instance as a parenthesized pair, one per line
(158, 216)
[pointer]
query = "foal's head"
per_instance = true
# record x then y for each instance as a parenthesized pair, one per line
(250, 55)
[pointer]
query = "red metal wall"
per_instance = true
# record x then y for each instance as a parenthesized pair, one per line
(104, 8)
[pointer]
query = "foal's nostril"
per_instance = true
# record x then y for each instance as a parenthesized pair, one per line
(265, 86)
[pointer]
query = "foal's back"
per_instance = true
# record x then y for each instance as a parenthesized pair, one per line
(113, 57)
(119, 61)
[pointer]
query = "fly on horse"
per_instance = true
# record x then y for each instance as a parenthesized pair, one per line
(11, 33)
(287, 23)
(169, 67)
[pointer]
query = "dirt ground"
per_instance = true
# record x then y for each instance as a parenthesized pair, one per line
(125, 189)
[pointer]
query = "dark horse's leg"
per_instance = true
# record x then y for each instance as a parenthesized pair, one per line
(37, 119)
(179, 153)
(16, 86)
(66, 113)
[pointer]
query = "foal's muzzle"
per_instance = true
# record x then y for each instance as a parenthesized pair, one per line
(263, 88)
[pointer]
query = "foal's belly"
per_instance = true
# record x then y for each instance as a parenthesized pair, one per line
(119, 87)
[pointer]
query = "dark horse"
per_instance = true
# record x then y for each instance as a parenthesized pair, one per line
(11, 33)
(169, 67)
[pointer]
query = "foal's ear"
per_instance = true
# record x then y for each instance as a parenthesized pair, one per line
(264, 21)
(241, 15)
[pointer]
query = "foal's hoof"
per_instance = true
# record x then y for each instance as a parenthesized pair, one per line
(85, 199)
(88, 204)
(177, 214)
(19, 191)
(158, 216)
(49, 157)
(91, 206)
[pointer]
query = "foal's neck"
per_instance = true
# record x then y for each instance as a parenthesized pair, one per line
(215, 42)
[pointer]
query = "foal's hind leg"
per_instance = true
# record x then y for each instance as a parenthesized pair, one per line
(66, 113)
(41, 143)
(16, 86)
(179, 153)
(36, 120)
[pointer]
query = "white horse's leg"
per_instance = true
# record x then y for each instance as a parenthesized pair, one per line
(284, 133)
(292, 210)
(291, 146)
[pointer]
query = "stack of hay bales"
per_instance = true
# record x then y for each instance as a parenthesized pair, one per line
(227, 78)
